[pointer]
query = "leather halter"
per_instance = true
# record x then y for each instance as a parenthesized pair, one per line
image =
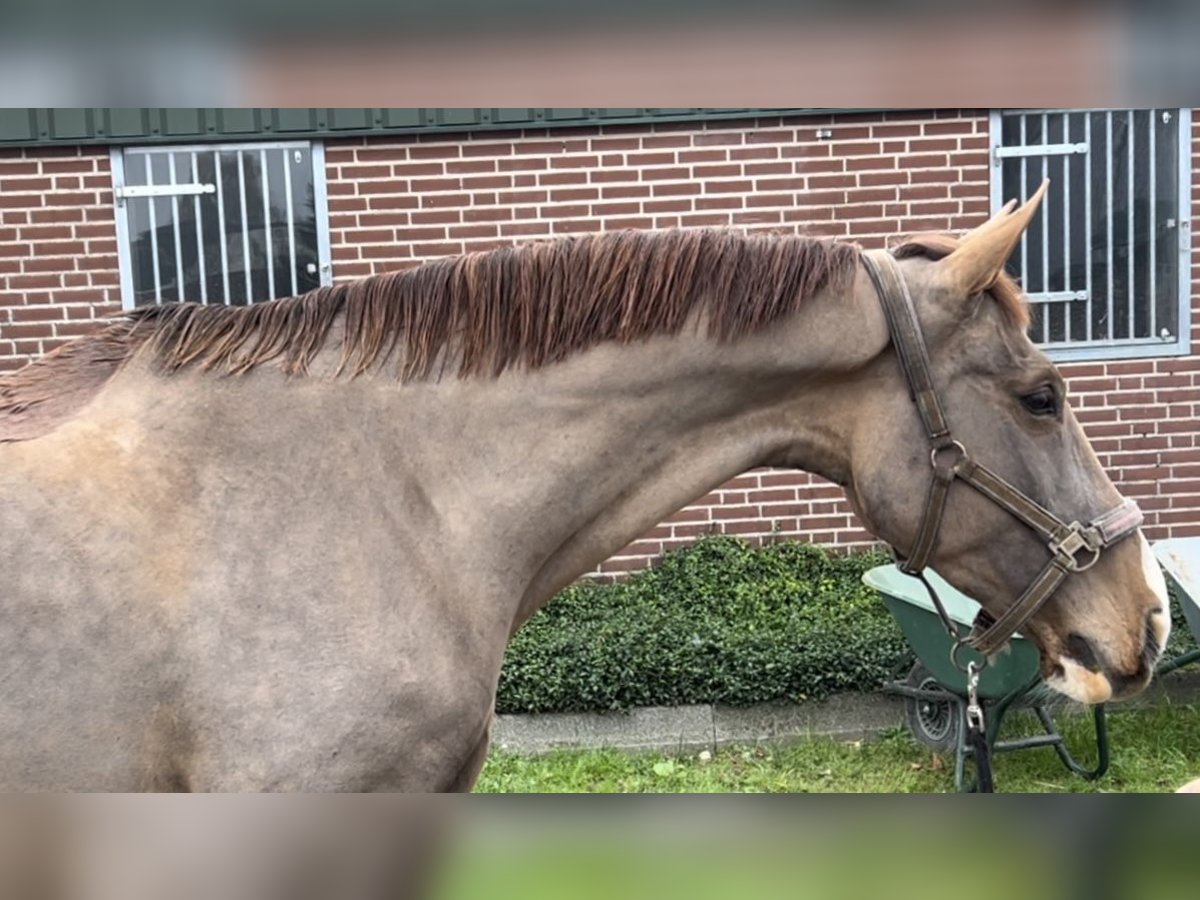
(1073, 547)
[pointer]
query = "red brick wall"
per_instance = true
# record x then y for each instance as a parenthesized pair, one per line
(58, 248)
(394, 203)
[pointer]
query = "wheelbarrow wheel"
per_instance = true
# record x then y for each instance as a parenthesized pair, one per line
(934, 722)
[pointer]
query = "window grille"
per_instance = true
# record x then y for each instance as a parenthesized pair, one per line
(224, 223)
(1106, 262)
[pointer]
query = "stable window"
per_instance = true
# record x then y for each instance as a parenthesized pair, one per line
(220, 223)
(1105, 263)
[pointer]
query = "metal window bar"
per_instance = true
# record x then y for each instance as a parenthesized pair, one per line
(1129, 250)
(1024, 194)
(1066, 194)
(1087, 218)
(1045, 211)
(1153, 224)
(266, 204)
(221, 227)
(200, 268)
(245, 226)
(1108, 163)
(291, 224)
(153, 232)
(175, 229)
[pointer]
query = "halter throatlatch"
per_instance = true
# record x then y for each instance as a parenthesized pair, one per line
(1072, 547)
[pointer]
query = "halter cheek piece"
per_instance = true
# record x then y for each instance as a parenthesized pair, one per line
(1073, 547)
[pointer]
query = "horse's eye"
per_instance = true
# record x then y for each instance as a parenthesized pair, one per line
(1042, 402)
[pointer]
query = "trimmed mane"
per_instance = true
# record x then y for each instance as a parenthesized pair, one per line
(531, 305)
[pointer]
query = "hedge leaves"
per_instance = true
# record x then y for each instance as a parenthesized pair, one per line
(718, 622)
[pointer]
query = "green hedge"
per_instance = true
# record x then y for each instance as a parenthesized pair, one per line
(721, 621)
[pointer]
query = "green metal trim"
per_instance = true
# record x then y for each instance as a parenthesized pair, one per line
(146, 125)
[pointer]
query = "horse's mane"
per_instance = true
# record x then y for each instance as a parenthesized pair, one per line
(529, 306)
(478, 314)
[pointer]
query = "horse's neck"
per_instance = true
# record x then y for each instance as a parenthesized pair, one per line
(582, 458)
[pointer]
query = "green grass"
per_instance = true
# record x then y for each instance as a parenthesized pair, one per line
(1154, 749)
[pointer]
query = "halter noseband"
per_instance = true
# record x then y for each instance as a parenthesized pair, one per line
(1073, 547)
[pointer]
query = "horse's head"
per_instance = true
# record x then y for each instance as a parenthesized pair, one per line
(1102, 629)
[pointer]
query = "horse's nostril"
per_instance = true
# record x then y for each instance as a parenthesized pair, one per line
(1122, 683)
(1080, 649)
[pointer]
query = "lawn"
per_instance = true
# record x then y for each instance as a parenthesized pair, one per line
(1154, 749)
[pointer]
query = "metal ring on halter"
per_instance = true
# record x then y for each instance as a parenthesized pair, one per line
(1076, 541)
(954, 660)
(1095, 551)
(953, 445)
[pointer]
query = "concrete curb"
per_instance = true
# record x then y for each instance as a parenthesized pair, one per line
(690, 729)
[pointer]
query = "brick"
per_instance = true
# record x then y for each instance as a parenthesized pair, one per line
(703, 156)
(20, 201)
(444, 151)
(524, 229)
(718, 140)
(59, 248)
(664, 174)
(686, 188)
(72, 199)
(486, 214)
(574, 162)
(353, 173)
(75, 166)
(418, 169)
(575, 226)
(619, 224)
(727, 187)
(522, 164)
(16, 185)
(572, 177)
(18, 167)
(754, 153)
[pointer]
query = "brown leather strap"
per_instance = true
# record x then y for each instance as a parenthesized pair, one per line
(931, 524)
(1005, 495)
(909, 342)
(987, 641)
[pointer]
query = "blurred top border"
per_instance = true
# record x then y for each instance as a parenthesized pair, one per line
(149, 125)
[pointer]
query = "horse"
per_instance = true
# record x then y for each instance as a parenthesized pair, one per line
(283, 546)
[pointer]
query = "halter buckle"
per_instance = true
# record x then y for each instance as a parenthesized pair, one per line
(1077, 540)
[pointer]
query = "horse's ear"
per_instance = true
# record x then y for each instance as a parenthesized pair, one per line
(982, 253)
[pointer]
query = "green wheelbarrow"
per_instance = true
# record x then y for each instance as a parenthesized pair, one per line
(935, 690)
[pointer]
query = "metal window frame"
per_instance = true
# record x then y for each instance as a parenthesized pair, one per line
(1129, 348)
(320, 200)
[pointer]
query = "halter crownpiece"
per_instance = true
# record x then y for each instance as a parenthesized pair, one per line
(1073, 547)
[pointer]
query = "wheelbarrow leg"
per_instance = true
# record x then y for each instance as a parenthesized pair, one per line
(1170, 665)
(1100, 719)
(996, 714)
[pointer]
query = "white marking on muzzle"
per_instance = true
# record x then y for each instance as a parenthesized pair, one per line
(1080, 683)
(1157, 584)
